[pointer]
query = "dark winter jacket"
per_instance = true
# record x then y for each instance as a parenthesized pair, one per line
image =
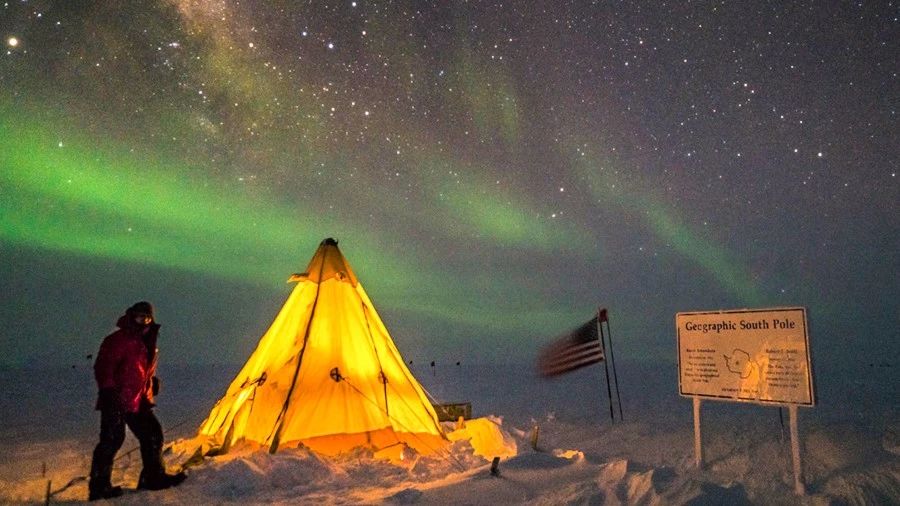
(126, 364)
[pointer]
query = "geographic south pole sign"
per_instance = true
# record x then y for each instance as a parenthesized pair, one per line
(753, 355)
(758, 356)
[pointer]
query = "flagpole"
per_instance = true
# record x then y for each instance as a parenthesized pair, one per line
(605, 366)
(615, 376)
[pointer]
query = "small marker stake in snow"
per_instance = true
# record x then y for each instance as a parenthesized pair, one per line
(495, 467)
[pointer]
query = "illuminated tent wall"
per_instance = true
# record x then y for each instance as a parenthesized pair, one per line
(326, 374)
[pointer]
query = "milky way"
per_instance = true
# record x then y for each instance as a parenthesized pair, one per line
(493, 171)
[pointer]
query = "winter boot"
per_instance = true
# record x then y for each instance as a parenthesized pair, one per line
(160, 481)
(106, 492)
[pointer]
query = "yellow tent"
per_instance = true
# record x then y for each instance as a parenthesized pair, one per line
(326, 375)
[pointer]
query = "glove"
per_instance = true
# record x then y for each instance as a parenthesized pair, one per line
(154, 385)
(108, 400)
(152, 332)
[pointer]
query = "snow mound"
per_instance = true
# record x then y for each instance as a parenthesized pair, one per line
(242, 476)
(248, 474)
(487, 437)
(874, 485)
(405, 496)
(891, 440)
(537, 460)
(624, 482)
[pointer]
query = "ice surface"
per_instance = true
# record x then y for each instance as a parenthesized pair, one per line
(849, 443)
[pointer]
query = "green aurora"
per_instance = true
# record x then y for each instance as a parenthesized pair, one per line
(491, 174)
(74, 198)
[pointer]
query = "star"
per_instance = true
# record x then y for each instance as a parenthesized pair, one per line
(629, 136)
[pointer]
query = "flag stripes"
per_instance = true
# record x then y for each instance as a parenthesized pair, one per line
(579, 348)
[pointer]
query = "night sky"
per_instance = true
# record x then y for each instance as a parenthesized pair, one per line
(492, 171)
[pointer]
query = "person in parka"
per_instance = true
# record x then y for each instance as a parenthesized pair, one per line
(125, 372)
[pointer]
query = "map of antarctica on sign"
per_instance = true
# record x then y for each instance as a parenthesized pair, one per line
(751, 355)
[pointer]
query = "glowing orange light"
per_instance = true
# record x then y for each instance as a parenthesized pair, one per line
(326, 375)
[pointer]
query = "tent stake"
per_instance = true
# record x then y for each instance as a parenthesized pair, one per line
(535, 434)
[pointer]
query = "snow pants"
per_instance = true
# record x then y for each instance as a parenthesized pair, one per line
(146, 429)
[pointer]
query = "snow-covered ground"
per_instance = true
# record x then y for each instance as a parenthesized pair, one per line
(850, 443)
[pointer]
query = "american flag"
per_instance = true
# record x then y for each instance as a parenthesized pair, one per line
(579, 348)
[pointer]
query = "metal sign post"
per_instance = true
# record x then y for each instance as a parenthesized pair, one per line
(799, 489)
(698, 446)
